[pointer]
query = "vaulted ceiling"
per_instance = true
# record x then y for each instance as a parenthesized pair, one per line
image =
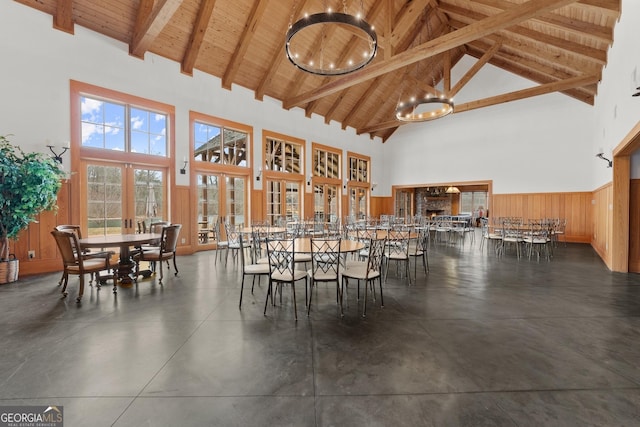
(560, 45)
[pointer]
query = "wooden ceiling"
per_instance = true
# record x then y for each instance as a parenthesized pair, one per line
(560, 45)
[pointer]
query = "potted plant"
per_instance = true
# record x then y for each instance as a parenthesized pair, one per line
(29, 184)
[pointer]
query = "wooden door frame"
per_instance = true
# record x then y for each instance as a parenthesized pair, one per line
(621, 199)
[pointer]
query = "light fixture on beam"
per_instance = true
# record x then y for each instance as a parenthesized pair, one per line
(326, 60)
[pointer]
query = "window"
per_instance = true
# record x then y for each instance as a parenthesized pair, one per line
(326, 163)
(122, 127)
(358, 169)
(283, 156)
(220, 145)
(471, 201)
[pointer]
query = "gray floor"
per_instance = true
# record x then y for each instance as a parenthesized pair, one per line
(479, 341)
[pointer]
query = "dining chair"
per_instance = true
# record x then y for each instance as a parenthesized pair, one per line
(281, 253)
(80, 264)
(252, 269)
(511, 235)
(75, 229)
(221, 245)
(397, 250)
(233, 241)
(325, 265)
(418, 249)
(538, 238)
(165, 251)
(367, 271)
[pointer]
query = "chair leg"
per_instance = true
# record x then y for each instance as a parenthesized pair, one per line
(310, 297)
(293, 291)
(364, 309)
(381, 298)
(65, 277)
(241, 289)
(81, 290)
(174, 264)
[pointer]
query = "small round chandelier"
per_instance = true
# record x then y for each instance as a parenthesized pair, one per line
(322, 28)
(424, 109)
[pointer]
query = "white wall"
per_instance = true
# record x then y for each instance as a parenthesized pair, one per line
(617, 112)
(38, 63)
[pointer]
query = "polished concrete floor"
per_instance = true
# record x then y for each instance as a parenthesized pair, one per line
(479, 341)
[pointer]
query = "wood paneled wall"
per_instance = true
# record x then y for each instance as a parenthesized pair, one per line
(576, 208)
(588, 214)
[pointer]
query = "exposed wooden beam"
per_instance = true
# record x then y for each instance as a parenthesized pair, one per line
(197, 36)
(259, 6)
(150, 27)
(466, 17)
(63, 18)
(562, 23)
(558, 86)
(474, 69)
(433, 47)
(277, 58)
(500, 99)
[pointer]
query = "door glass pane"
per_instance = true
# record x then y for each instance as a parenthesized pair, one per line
(274, 202)
(208, 190)
(149, 195)
(358, 202)
(235, 195)
(293, 201)
(318, 203)
(104, 200)
(332, 203)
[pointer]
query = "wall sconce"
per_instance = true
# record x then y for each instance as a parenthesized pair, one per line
(183, 169)
(58, 156)
(601, 156)
(309, 179)
(638, 92)
(259, 173)
(345, 184)
(373, 185)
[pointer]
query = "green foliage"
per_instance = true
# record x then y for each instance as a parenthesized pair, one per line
(29, 184)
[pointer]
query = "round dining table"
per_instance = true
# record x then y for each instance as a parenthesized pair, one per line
(124, 242)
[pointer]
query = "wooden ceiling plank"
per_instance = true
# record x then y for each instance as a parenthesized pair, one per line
(562, 23)
(475, 68)
(148, 29)
(197, 36)
(63, 19)
(467, 17)
(410, 14)
(366, 94)
(433, 47)
(610, 8)
(527, 93)
(259, 6)
(277, 58)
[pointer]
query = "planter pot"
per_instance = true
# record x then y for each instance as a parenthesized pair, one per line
(9, 271)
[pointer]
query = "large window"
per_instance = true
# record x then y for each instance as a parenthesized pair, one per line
(220, 145)
(118, 126)
(125, 145)
(221, 153)
(358, 185)
(326, 162)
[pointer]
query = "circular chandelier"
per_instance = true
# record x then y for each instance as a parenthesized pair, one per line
(300, 33)
(424, 109)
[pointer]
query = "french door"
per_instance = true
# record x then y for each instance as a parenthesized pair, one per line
(326, 206)
(119, 198)
(283, 200)
(358, 202)
(220, 197)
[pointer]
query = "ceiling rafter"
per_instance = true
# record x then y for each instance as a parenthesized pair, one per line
(563, 23)
(151, 24)
(277, 58)
(475, 68)
(63, 18)
(259, 6)
(197, 36)
(467, 17)
(433, 47)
